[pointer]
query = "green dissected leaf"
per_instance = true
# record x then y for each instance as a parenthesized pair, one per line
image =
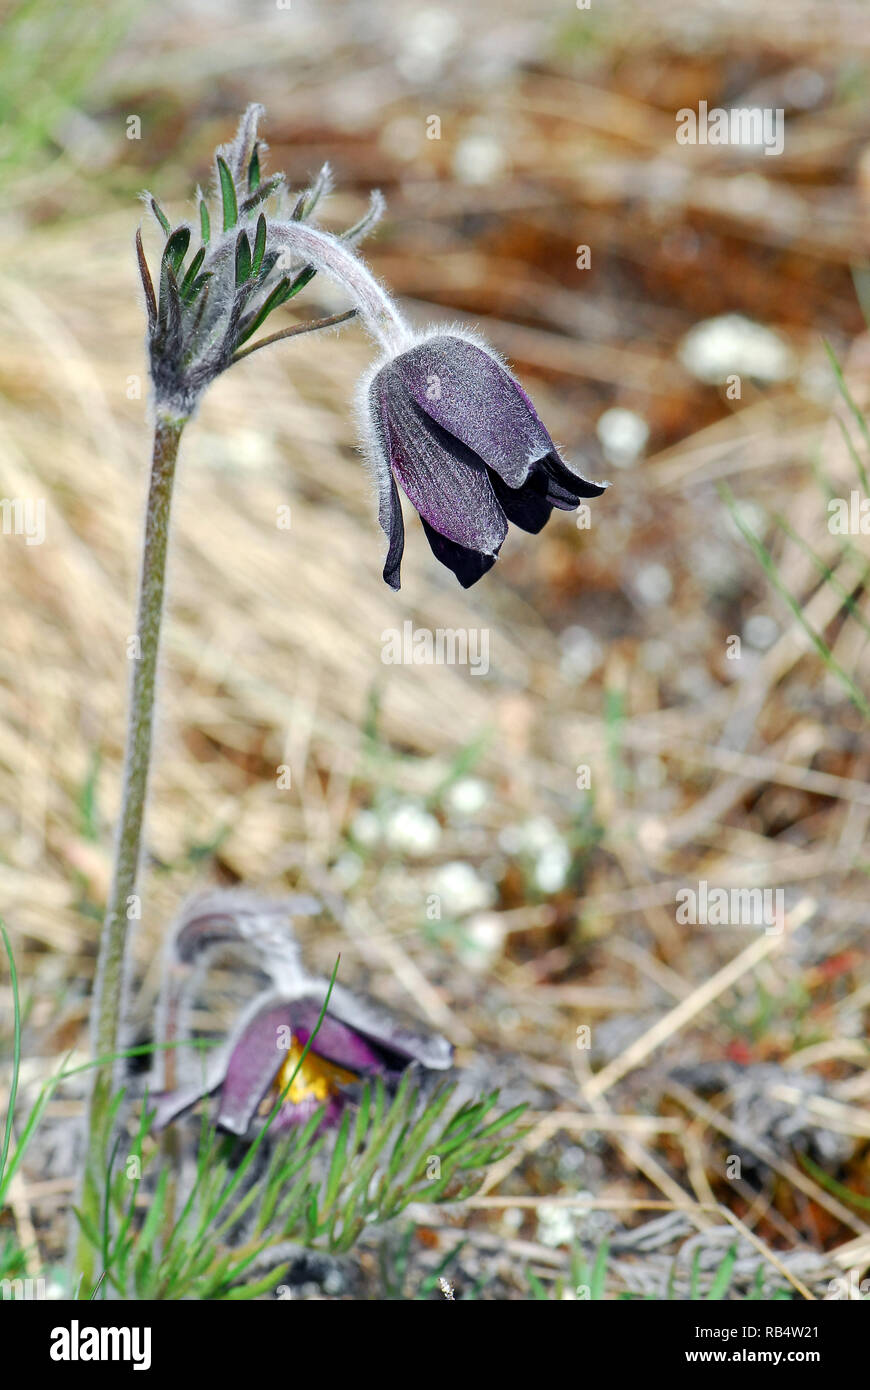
(175, 249)
(198, 284)
(260, 194)
(204, 222)
(228, 195)
(305, 276)
(254, 169)
(336, 1167)
(186, 286)
(147, 283)
(418, 1146)
(311, 197)
(264, 1285)
(259, 245)
(279, 295)
(161, 216)
(312, 1223)
(243, 259)
(156, 1208)
(169, 306)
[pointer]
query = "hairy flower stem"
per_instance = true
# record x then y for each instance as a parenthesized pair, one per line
(112, 968)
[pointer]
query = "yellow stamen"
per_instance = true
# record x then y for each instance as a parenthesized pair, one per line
(316, 1077)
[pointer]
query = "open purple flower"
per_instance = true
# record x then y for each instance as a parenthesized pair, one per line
(448, 423)
(262, 1059)
(356, 1040)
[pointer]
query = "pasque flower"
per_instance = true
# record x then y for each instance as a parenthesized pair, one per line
(446, 421)
(255, 1067)
(443, 418)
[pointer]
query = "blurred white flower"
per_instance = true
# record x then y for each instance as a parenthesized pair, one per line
(466, 797)
(553, 867)
(411, 829)
(426, 39)
(623, 435)
(733, 345)
(512, 1219)
(555, 1226)
(366, 828)
(538, 839)
(760, 631)
(461, 889)
(478, 159)
(530, 837)
(582, 653)
(485, 935)
(652, 584)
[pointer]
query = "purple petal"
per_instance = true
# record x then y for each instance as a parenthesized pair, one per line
(387, 1032)
(467, 391)
(564, 486)
(391, 520)
(170, 1104)
(467, 565)
(528, 506)
(254, 1063)
(389, 503)
(334, 1040)
(447, 484)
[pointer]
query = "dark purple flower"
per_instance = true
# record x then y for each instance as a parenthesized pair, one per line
(449, 424)
(252, 1070)
(356, 1040)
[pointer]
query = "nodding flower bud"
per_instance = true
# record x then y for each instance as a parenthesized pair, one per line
(256, 252)
(444, 419)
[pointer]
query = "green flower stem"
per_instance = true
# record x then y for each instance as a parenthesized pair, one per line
(112, 968)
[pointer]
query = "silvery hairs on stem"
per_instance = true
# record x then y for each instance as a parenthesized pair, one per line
(257, 250)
